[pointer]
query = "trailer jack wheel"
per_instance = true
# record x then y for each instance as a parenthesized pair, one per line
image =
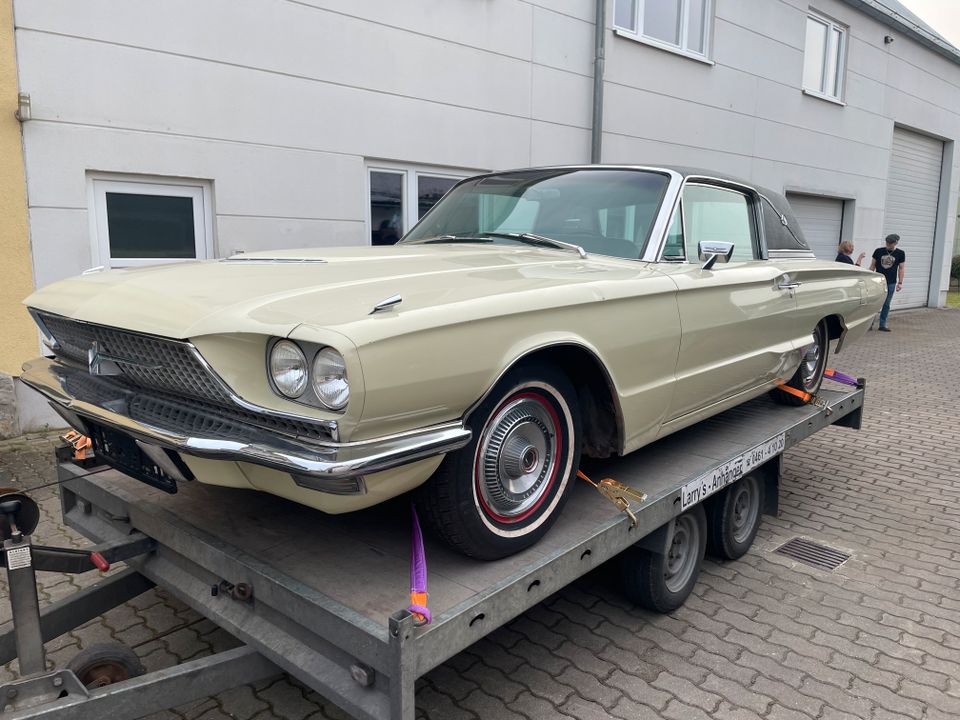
(105, 664)
(734, 518)
(662, 579)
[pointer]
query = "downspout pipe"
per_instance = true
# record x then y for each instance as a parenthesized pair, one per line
(599, 46)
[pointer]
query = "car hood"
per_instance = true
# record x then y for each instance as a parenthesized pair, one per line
(274, 292)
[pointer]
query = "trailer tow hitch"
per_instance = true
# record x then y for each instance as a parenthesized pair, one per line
(617, 493)
(19, 516)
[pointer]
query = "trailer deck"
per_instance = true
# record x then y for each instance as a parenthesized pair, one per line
(323, 597)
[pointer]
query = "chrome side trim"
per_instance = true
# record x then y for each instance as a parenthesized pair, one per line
(245, 443)
(390, 302)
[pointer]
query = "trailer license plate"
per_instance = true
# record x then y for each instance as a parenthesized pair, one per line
(731, 471)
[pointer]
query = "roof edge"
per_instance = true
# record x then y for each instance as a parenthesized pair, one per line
(890, 17)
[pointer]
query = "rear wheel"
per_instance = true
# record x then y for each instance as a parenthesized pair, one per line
(663, 581)
(502, 492)
(809, 376)
(734, 518)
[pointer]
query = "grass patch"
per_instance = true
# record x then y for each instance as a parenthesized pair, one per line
(953, 299)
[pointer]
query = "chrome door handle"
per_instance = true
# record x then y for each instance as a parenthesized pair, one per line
(788, 285)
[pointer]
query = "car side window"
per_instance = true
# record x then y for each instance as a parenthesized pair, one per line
(718, 214)
(673, 248)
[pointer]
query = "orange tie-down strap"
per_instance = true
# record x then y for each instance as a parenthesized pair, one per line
(81, 444)
(805, 396)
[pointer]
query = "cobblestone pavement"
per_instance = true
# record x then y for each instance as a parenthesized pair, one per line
(762, 637)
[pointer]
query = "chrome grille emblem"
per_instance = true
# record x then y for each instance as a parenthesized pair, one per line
(101, 363)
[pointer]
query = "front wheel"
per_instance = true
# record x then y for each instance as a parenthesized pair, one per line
(501, 492)
(809, 376)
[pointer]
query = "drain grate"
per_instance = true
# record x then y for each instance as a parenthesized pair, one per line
(810, 553)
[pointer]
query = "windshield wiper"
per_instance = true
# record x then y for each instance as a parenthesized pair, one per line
(453, 239)
(540, 240)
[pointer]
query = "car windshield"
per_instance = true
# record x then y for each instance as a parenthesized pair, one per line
(603, 211)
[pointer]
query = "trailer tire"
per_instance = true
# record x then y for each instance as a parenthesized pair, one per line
(661, 582)
(501, 492)
(809, 376)
(105, 664)
(733, 518)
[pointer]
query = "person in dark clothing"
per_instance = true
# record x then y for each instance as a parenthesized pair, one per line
(845, 253)
(889, 260)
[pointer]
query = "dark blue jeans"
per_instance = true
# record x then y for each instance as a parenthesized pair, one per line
(891, 289)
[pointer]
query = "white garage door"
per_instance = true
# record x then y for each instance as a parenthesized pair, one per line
(913, 190)
(820, 219)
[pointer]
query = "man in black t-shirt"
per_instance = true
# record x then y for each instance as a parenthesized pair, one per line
(889, 260)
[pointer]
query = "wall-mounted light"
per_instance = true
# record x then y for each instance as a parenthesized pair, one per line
(22, 112)
(887, 39)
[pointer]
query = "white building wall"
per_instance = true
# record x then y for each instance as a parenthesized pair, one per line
(280, 105)
(746, 113)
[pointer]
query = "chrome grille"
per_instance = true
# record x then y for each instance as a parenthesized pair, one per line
(193, 417)
(155, 363)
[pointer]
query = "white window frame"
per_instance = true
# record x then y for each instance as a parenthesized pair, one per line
(99, 184)
(832, 55)
(411, 175)
(636, 33)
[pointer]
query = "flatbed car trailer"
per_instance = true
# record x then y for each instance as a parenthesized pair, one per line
(323, 597)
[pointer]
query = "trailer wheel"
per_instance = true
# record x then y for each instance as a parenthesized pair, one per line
(662, 581)
(501, 492)
(809, 376)
(734, 518)
(105, 664)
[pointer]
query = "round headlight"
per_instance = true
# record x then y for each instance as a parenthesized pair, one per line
(288, 368)
(330, 379)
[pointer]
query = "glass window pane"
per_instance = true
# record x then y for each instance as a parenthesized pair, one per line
(625, 15)
(608, 212)
(429, 190)
(674, 245)
(696, 25)
(832, 76)
(150, 226)
(716, 214)
(661, 20)
(386, 207)
(813, 55)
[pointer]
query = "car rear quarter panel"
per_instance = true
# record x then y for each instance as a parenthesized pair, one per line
(832, 288)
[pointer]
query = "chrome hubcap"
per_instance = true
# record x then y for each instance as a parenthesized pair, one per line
(810, 367)
(517, 457)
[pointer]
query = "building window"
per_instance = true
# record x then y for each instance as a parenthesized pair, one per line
(144, 222)
(401, 195)
(680, 25)
(823, 57)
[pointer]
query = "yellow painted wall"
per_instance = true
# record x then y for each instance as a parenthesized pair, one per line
(18, 338)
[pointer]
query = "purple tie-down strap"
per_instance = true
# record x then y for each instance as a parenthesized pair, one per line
(418, 572)
(841, 378)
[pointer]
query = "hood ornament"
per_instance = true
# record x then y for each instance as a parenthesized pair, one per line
(390, 302)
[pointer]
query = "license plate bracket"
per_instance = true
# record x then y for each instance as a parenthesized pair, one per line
(120, 451)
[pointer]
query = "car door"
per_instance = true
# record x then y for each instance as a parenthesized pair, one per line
(734, 333)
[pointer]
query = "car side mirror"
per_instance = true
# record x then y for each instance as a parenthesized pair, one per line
(714, 252)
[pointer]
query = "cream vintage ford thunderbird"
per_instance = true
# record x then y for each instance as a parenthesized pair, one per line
(530, 317)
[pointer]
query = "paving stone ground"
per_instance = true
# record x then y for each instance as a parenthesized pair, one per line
(762, 637)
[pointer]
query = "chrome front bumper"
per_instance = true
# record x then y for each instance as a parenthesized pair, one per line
(180, 426)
